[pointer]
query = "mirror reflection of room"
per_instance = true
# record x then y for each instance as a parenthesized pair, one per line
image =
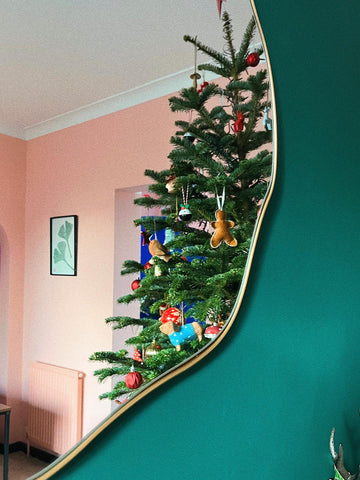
(82, 159)
(194, 250)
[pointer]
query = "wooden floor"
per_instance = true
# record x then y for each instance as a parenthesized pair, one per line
(21, 467)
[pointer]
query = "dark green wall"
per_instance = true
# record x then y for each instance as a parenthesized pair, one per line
(264, 405)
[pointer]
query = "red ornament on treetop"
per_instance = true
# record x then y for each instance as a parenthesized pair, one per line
(253, 59)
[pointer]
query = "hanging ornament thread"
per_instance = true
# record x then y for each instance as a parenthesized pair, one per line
(195, 76)
(222, 226)
(185, 213)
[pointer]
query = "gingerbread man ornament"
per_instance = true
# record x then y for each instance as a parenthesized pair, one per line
(222, 230)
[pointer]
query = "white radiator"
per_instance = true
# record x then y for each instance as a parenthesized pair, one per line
(55, 410)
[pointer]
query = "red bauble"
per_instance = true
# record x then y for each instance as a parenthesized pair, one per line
(253, 59)
(171, 314)
(133, 380)
(147, 265)
(135, 284)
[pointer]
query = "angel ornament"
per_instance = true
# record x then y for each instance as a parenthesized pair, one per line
(222, 226)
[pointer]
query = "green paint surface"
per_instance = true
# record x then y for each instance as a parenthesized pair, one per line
(263, 404)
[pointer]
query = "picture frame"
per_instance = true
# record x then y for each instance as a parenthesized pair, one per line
(63, 245)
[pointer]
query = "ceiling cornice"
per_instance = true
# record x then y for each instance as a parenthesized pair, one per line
(12, 132)
(149, 91)
(144, 93)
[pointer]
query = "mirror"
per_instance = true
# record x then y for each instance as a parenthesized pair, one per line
(199, 219)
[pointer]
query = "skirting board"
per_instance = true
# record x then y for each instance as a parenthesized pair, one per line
(34, 452)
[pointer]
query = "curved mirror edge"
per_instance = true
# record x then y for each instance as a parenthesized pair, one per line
(66, 458)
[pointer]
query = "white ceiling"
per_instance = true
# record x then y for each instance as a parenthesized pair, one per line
(67, 61)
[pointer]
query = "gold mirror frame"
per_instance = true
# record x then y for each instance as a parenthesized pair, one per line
(66, 458)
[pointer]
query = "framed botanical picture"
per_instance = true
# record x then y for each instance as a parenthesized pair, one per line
(63, 245)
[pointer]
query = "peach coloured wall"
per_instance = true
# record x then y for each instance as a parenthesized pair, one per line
(12, 220)
(127, 246)
(77, 171)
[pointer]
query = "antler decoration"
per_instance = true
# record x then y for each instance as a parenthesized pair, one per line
(341, 473)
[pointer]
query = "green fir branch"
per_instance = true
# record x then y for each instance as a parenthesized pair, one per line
(110, 357)
(241, 55)
(219, 57)
(228, 36)
(122, 322)
(131, 266)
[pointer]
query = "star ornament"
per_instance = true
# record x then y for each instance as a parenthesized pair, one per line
(219, 5)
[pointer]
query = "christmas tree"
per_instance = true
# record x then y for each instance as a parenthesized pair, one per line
(208, 201)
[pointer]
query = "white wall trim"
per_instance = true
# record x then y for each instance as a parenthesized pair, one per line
(144, 93)
(149, 91)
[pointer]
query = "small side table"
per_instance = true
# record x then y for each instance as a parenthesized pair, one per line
(5, 410)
